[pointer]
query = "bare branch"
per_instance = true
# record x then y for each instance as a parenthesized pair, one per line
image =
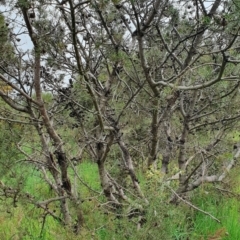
(193, 206)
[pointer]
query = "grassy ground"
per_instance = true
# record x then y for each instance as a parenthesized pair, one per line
(163, 221)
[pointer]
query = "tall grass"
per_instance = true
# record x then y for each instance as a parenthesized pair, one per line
(224, 208)
(162, 220)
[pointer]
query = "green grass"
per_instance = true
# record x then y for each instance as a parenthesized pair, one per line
(163, 221)
(223, 208)
(88, 172)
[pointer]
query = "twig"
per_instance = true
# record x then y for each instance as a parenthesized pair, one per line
(43, 224)
(193, 206)
(227, 191)
(46, 202)
(48, 211)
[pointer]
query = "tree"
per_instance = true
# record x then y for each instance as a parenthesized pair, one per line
(135, 80)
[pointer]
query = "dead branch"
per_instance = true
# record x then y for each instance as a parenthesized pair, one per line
(193, 206)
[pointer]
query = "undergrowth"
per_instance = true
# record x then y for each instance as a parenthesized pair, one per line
(160, 221)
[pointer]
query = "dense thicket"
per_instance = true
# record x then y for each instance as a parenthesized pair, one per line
(133, 87)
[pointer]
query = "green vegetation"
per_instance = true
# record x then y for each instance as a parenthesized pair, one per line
(119, 120)
(161, 220)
